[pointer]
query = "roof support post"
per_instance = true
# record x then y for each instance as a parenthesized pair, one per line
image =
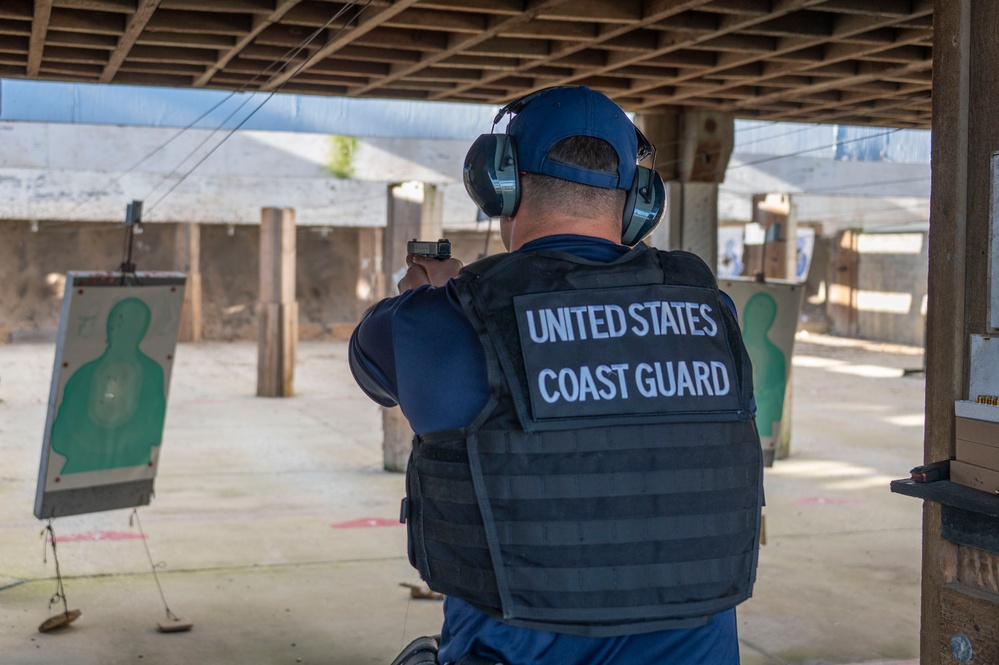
(277, 310)
(962, 222)
(188, 260)
(416, 210)
(692, 152)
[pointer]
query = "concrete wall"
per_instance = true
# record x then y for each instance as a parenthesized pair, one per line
(33, 265)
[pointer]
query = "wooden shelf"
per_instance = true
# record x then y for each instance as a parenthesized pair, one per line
(950, 494)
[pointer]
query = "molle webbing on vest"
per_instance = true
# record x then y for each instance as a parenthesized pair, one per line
(605, 526)
(592, 532)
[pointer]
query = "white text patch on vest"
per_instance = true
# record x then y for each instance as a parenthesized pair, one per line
(658, 379)
(658, 317)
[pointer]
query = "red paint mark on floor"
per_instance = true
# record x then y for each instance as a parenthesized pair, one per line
(824, 501)
(366, 522)
(97, 535)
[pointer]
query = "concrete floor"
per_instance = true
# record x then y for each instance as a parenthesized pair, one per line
(278, 529)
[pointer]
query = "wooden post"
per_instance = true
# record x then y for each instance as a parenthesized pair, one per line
(188, 260)
(415, 211)
(277, 310)
(370, 275)
(957, 600)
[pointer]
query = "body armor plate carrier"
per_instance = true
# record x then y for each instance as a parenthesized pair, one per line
(613, 483)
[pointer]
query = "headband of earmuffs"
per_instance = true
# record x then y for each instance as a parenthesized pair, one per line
(539, 120)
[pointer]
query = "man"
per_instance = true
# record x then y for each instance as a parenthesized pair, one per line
(586, 482)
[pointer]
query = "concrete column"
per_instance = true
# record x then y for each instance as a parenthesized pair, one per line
(188, 260)
(277, 310)
(415, 211)
(692, 152)
(370, 276)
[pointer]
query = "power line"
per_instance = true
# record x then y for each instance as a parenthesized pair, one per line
(285, 60)
(838, 188)
(802, 152)
(315, 34)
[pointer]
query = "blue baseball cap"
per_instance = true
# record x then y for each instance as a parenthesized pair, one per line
(550, 115)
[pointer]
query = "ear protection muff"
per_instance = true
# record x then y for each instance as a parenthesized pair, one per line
(646, 200)
(492, 179)
(490, 175)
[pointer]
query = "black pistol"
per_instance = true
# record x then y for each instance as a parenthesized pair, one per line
(440, 250)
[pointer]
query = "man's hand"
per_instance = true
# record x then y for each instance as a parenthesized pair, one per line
(425, 270)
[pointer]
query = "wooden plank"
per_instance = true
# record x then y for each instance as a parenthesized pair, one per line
(364, 22)
(970, 528)
(83, 56)
(226, 6)
(39, 26)
(136, 24)
(20, 10)
(187, 253)
(152, 38)
(77, 39)
(280, 9)
(90, 72)
(978, 569)
(976, 477)
(278, 335)
(624, 12)
(212, 23)
(277, 311)
(979, 431)
(116, 6)
(277, 255)
(425, 41)
(12, 44)
(190, 56)
(190, 71)
(428, 19)
(969, 627)
(95, 23)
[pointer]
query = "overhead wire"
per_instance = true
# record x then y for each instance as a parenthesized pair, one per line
(284, 60)
(301, 66)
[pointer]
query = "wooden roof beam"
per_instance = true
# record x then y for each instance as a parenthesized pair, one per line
(472, 43)
(116, 6)
(364, 22)
(281, 7)
(225, 6)
(136, 24)
(39, 26)
(654, 12)
(429, 19)
(843, 28)
(740, 7)
(11, 44)
(658, 10)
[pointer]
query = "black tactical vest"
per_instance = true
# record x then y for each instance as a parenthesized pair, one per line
(613, 483)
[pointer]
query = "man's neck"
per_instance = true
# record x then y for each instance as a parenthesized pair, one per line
(528, 228)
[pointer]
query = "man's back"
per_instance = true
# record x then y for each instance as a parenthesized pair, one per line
(439, 377)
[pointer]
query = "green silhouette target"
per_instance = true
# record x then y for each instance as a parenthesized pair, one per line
(107, 404)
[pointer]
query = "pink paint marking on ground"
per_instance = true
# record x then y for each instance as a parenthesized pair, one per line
(366, 522)
(825, 501)
(97, 535)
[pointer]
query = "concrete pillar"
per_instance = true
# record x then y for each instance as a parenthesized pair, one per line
(277, 310)
(692, 152)
(416, 210)
(370, 275)
(188, 260)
